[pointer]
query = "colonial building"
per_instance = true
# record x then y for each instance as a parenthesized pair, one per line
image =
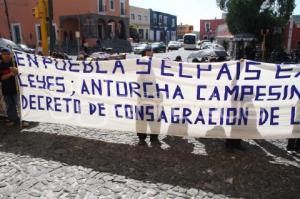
(292, 33)
(104, 20)
(140, 17)
(184, 29)
(163, 26)
(208, 28)
(223, 34)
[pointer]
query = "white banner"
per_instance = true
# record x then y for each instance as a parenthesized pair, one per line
(214, 100)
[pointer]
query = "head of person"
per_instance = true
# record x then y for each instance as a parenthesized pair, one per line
(80, 57)
(178, 59)
(144, 54)
(5, 55)
(195, 60)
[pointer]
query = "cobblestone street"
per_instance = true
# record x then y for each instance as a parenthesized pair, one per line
(54, 161)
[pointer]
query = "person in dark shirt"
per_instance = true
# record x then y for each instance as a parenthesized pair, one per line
(9, 87)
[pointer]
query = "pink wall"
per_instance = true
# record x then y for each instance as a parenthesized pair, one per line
(295, 36)
(214, 23)
(21, 12)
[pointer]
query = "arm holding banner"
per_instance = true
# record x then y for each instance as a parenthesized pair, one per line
(13, 73)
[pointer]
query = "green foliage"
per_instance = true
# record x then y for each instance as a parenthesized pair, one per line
(251, 16)
(133, 32)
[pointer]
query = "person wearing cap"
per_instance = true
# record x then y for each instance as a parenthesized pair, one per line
(9, 88)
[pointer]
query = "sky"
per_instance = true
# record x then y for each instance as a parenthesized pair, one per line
(189, 11)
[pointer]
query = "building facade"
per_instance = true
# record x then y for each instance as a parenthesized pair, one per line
(292, 34)
(223, 34)
(163, 26)
(208, 28)
(94, 19)
(140, 17)
(184, 29)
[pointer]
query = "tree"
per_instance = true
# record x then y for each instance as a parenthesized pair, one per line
(133, 32)
(252, 16)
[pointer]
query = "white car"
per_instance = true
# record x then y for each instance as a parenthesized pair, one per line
(180, 42)
(173, 45)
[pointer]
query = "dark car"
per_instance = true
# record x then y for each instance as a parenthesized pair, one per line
(142, 48)
(210, 52)
(158, 47)
(5, 43)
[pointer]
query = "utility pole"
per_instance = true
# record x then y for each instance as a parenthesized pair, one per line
(40, 12)
(264, 33)
(8, 20)
(50, 27)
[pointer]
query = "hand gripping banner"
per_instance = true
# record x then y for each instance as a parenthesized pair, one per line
(247, 99)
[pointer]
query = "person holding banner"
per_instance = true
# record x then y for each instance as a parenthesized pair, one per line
(9, 88)
(141, 126)
(294, 144)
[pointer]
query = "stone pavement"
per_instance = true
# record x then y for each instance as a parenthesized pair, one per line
(56, 161)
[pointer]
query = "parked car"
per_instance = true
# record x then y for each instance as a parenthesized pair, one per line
(213, 52)
(158, 47)
(60, 55)
(180, 42)
(205, 44)
(5, 43)
(173, 45)
(142, 48)
(100, 56)
(26, 49)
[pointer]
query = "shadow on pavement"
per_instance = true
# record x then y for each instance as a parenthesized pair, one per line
(250, 174)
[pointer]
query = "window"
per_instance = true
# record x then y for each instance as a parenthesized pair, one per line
(173, 35)
(207, 27)
(140, 17)
(122, 7)
(155, 19)
(132, 16)
(146, 18)
(173, 22)
(151, 35)
(157, 35)
(147, 34)
(38, 32)
(101, 6)
(112, 4)
(165, 20)
(17, 33)
(160, 19)
(141, 33)
(54, 29)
